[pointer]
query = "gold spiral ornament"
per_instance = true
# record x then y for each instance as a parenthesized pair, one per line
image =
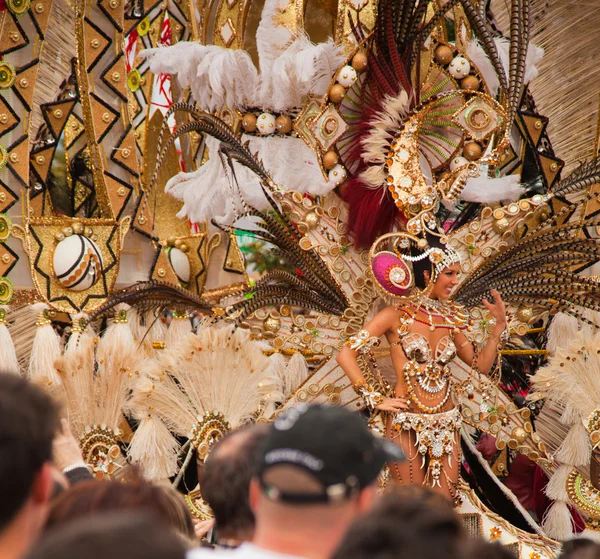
(208, 429)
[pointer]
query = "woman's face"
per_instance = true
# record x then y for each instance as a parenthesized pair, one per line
(445, 282)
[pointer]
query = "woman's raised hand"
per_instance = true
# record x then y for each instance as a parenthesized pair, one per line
(497, 310)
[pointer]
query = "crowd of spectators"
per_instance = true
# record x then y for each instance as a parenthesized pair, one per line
(305, 486)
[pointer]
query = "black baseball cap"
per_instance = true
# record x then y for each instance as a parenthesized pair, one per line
(332, 444)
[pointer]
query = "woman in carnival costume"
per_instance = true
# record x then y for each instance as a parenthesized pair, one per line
(425, 333)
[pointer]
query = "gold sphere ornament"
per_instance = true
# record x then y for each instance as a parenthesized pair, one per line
(283, 123)
(500, 225)
(271, 325)
(330, 160)
(337, 93)
(443, 55)
(78, 228)
(249, 122)
(519, 434)
(359, 61)
(312, 220)
(470, 82)
(525, 314)
(472, 151)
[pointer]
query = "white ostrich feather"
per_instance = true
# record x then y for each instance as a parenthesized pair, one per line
(291, 67)
(486, 190)
(154, 449)
(294, 165)
(216, 76)
(302, 68)
(572, 377)
(207, 193)
(477, 56)
(534, 56)
(561, 331)
(214, 370)
(96, 385)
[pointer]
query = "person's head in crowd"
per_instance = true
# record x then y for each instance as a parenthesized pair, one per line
(113, 536)
(580, 548)
(405, 523)
(92, 498)
(317, 471)
(226, 482)
(29, 420)
(478, 548)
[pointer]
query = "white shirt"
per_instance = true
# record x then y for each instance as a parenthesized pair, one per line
(245, 551)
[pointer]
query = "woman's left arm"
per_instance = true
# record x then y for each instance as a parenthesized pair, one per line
(487, 355)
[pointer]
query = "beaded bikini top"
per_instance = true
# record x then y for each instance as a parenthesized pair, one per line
(417, 348)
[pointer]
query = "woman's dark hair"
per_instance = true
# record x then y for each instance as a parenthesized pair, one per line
(420, 266)
(90, 498)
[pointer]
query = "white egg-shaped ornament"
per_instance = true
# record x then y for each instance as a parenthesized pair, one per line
(77, 263)
(180, 263)
(347, 76)
(459, 67)
(457, 162)
(337, 175)
(266, 124)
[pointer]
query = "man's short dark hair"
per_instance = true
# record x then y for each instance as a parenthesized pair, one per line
(28, 422)
(407, 522)
(226, 478)
(114, 535)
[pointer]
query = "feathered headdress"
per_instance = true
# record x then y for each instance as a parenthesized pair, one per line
(426, 124)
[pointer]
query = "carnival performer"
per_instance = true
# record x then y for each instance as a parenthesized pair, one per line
(425, 334)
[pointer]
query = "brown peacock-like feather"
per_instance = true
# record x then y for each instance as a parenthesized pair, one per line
(152, 295)
(584, 176)
(540, 270)
(313, 287)
(519, 39)
(209, 124)
(482, 30)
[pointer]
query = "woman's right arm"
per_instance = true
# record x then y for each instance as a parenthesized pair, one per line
(383, 321)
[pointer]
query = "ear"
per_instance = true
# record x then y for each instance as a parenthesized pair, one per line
(42, 485)
(426, 275)
(255, 494)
